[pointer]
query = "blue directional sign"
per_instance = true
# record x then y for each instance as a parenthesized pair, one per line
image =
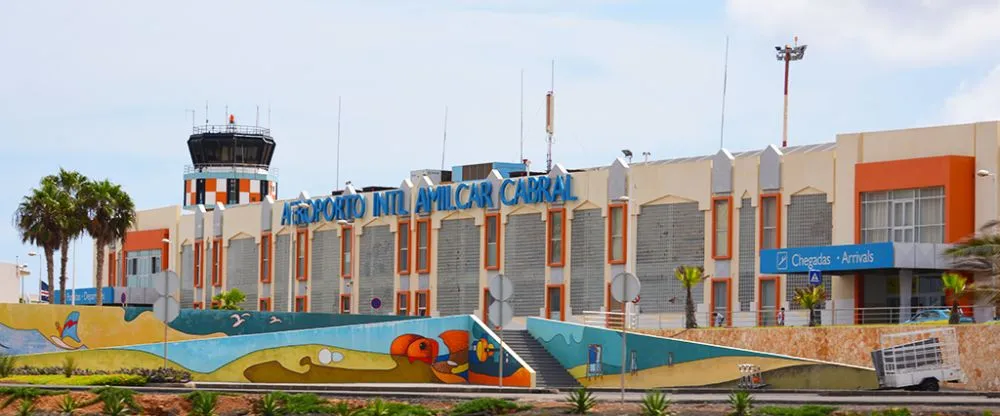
(376, 303)
(827, 258)
(815, 277)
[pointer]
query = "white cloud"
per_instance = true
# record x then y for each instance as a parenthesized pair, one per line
(926, 32)
(975, 101)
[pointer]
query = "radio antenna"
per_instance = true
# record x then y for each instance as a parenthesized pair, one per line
(338, 140)
(256, 122)
(550, 112)
(522, 116)
(725, 78)
(269, 114)
(444, 138)
(206, 112)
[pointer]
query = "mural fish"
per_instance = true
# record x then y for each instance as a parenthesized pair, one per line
(68, 329)
(452, 368)
(484, 349)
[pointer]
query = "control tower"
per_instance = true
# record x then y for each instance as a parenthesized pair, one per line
(230, 164)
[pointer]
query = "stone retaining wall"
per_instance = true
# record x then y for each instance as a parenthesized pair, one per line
(979, 351)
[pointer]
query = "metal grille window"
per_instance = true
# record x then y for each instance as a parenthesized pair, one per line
(492, 260)
(903, 216)
(769, 222)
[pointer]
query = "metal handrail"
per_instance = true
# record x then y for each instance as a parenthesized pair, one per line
(231, 128)
(204, 167)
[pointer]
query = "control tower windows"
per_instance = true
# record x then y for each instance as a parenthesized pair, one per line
(264, 188)
(199, 192)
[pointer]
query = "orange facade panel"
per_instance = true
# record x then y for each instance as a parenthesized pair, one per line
(956, 174)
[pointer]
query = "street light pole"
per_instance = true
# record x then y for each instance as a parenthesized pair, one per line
(166, 299)
(788, 54)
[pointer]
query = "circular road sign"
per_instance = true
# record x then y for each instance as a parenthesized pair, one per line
(166, 309)
(501, 313)
(376, 303)
(501, 288)
(625, 287)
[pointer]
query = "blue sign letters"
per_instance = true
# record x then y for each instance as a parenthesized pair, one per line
(827, 258)
(450, 197)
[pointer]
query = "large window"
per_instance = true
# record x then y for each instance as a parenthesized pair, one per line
(722, 221)
(557, 236)
(217, 262)
(265, 258)
(403, 248)
(423, 302)
(770, 221)
(903, 216)
(617, 229)
(301, 250)
(492, 254)
(140, 265)
(346, 249)
(198, 263)
(424, 246)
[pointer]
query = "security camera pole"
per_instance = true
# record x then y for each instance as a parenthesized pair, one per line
(788, 54)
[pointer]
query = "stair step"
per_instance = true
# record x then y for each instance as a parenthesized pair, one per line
(549, 372)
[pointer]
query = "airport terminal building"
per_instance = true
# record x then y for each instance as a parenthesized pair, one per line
(866, 215)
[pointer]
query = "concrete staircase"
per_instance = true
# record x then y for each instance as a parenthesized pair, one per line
(548, 371)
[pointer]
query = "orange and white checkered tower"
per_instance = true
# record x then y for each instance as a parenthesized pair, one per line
(230, 164)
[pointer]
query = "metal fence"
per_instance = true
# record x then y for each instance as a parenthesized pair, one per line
(797, 317)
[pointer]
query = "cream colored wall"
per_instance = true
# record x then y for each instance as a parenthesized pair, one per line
(987, 141)
(916, 143)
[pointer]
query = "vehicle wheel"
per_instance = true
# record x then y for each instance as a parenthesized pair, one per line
(929, 384)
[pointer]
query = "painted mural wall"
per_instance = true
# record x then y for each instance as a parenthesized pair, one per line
(451, 350)
(593, 356)
(32, 329)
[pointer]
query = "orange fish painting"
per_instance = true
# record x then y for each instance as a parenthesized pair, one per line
(414, 348)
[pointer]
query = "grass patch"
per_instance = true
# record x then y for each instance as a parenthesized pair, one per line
(92, 380)
(807, 410)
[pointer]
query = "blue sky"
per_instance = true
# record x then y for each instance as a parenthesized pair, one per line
(102, 86)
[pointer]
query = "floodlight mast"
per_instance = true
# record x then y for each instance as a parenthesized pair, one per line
(788, 54)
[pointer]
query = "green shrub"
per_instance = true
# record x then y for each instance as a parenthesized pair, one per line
(20, 393)
(68, 405)
(296, 404)
(487, 406)
(741, 402)
(203, 403)
(68, 366)
(93, 380)
(807, 410)
(406, 409)
(112, 397)
(7, 365)
(581, 401)
(269, 405)
(153, 375)
(115, 407)
(27, 408)
(655, 403)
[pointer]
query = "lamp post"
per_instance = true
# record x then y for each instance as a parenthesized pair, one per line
(788, 54)
(166, 297)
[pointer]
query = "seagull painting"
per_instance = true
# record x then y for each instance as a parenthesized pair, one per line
(239, 319)
(275, 320)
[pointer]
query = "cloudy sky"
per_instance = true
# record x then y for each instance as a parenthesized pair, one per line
(103, 86)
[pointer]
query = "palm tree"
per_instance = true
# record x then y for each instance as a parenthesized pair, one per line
(956, 284)
(981, 253)
(72, 218)
(809, 298)
(230, 300)
(111, 214)
(690, 276)
(36, 219)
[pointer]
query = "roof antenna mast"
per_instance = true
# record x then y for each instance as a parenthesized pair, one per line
(725, 78)
(444, 139)
(550, 111)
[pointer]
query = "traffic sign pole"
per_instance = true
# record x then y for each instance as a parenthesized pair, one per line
(500, 373)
